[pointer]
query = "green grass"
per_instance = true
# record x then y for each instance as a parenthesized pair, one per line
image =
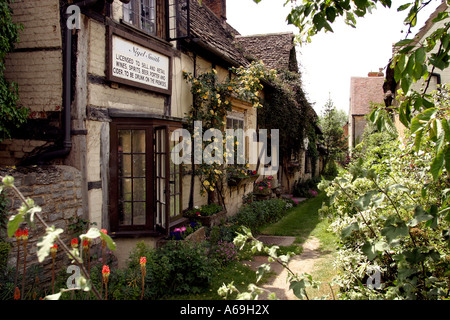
(302, 221)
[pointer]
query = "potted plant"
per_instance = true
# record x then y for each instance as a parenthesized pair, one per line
(236, 174)
(194, 231)
(263, 188)
(209, 215)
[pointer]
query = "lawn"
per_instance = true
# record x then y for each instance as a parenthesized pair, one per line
(302, 221)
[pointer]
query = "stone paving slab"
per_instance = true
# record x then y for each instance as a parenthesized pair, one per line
(276, 240)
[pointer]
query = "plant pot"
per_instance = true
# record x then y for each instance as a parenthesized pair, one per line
(197, 236)
(236, 181)
(213, 220)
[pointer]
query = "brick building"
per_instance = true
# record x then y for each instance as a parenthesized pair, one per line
(364, 91)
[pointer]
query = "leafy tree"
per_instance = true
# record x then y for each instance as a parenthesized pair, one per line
(11, 115)
(332, 122)
(415, 60)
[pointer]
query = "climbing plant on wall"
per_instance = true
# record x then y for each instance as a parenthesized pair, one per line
(211, 102)
(286, 108)
(11, 115)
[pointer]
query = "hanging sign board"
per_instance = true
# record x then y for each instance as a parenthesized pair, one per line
(137, 65)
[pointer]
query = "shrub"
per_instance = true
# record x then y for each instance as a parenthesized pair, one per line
(225, 252)
(304, 189)
(179, 267)
(392, 221)
(258, 213)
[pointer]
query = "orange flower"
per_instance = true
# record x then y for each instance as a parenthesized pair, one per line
(143, 261)
(74, 243)
(17, 294)
(104, 231)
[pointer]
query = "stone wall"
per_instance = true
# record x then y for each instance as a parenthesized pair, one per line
(57, 190)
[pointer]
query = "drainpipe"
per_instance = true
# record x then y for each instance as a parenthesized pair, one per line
(67, 87)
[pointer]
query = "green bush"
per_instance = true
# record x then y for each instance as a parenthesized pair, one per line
(258, 213)
(304, 188)
(179, 267)
(392, 221)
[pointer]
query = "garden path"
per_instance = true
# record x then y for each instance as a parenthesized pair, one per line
(303, 263)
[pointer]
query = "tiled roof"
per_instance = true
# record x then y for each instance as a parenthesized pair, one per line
(363, 92)
(209, 29)
(274, 49)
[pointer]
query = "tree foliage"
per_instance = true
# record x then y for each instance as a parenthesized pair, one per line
(11, 115)
(332, 122)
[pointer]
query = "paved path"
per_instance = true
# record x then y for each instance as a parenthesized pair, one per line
(303, 263)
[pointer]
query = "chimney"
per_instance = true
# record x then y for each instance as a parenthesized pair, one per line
(219, 7)
(376, 74)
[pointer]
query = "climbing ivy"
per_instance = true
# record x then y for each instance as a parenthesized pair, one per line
(286, 108)
(11, 115)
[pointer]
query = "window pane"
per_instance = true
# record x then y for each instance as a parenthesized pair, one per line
(163, 165)
(138, 141)
(126, 190)
(138, 212)
(172, 209)
(125, 141)
(139, 190)
(177, 204)
(125, 209)
(125, 165)
(139, 166)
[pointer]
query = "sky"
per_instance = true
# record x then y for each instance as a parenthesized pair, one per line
(331, 59)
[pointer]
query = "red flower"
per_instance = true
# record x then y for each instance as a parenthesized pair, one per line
(104, 231)
(85, 243)
(18, 234)
(143, 261)
(25, 235)
(106, 270)
(74, 243)
(53, 250)
(105, 273)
